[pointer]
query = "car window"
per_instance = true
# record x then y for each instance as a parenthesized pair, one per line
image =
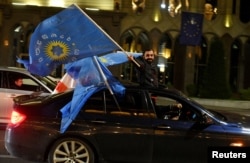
(47, 81)
(95, 104)
(129, 104)
(2, 83)
(172, 108)
(134, 103)
(29, 83)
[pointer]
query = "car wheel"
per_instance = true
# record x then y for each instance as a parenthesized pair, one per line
(71, 150)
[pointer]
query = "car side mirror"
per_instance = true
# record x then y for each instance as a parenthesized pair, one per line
(206, 119)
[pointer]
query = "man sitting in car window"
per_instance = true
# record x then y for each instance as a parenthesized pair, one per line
(18, 82)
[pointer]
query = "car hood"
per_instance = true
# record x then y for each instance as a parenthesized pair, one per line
(235, 118)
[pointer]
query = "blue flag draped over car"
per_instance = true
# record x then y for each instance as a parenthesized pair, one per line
(91, 76)
(191, 28)
(65, 37)
(68, 80)
(72, 38)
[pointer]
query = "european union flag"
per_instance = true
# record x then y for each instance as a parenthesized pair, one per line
(89, 79)
(191, 28)
(66, 37)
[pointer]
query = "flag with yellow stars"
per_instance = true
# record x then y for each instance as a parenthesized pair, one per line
(191, 28)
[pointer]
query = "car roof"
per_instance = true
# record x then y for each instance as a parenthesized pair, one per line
(166, 89)
(136, 86)
(25, 71)
(16, 69)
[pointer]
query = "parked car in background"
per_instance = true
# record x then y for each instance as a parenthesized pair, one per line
(141, 126)
(32, 84)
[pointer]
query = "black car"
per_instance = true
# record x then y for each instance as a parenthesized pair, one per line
(142, 126)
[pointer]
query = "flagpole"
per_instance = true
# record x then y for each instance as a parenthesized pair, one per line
(137, 64)
(106, 82)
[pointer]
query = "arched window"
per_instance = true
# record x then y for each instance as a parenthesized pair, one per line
(234, 63)
(20, 43)
(246, 82)
(133, 40)
(244, 11)
(165, 60)
(142, 41)
(200, 64)
(128, 44)
(128, 41)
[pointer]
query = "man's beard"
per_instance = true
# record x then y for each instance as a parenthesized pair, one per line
(149, 61)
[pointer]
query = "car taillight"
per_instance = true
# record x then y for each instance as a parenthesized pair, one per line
(17, 118)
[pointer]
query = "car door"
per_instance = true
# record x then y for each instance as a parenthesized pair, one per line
(125, 133)
(185, 139)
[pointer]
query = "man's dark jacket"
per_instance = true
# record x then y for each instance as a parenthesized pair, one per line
(147, 73)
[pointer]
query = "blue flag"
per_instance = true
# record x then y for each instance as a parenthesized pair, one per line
(72, 69)
(66, 37)
(191, 28)
(117, 58)
(89, 79)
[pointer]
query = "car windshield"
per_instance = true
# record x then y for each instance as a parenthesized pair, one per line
(47, 81)
(204, 109)
(209, 111)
